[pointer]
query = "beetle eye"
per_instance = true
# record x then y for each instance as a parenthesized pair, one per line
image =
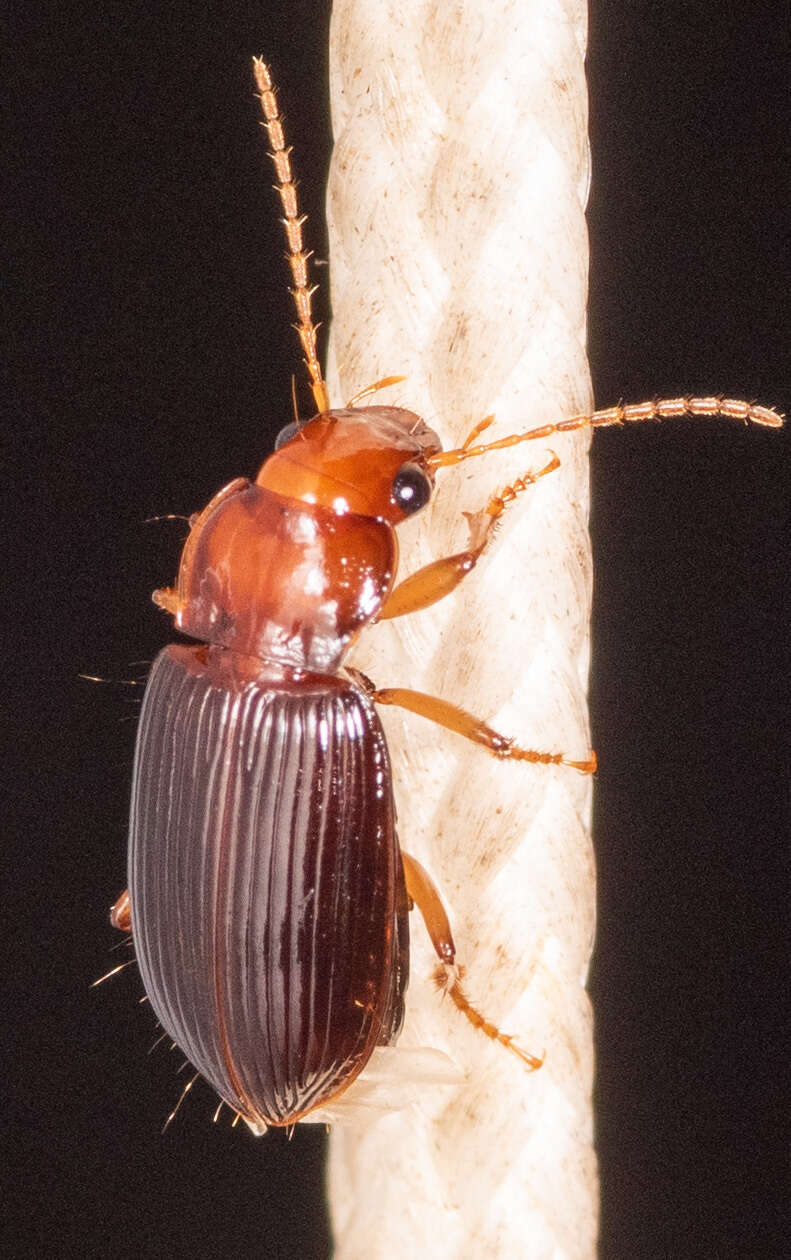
(286, 434)
(411, 488)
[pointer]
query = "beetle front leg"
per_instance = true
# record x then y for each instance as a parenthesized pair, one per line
(423, 892)
(452, 718)
(436, 580)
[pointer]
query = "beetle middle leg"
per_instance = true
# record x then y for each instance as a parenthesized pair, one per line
(436, 580)
(423, 892)
(453, 718)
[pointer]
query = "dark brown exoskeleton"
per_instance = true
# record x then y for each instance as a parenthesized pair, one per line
(268, 896)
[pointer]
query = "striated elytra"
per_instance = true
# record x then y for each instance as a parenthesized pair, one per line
(268, 904)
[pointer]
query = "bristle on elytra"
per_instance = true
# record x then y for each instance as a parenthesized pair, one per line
(447, 978)
(622, 414)
(182, 1096)
(113, 972)
(302, 292)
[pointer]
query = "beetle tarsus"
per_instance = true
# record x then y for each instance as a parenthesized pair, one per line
(447, 978)
(513, 752)
(167, 598)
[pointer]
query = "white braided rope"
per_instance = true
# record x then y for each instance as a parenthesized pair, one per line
(458, 251)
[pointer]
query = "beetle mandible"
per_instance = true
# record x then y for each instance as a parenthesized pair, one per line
(268, 895)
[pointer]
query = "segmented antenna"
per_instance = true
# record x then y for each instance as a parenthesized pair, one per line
(622, 414)
(292, 222)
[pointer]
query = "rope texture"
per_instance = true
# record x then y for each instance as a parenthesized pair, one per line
(459, 259)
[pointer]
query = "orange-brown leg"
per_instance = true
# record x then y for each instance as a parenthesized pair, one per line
(433, 582)
(422, 890)
(121, 913)
(452, 718)
(171, 598)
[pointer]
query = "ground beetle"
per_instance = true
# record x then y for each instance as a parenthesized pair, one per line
(268, 896)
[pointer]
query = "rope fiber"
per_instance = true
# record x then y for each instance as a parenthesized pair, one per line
(459, 260)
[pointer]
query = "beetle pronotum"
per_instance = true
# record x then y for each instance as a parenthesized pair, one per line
(268, 895)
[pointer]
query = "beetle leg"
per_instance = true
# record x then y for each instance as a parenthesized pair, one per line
(172, 599)
(121, 913)
(393, 1021)
(463, 723)
(433, 582)
(422, 890)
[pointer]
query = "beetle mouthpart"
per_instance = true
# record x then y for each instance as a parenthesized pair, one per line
(386, 381)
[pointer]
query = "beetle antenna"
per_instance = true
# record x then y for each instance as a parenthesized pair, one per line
(302, 292)
(623, 414)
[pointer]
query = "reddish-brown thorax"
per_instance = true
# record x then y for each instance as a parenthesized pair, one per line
(290, 568)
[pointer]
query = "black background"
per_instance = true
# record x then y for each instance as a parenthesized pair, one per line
(151, 357)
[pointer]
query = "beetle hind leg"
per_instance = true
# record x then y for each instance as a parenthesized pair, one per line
(423, 893)
(394, 1017)
(447, 978)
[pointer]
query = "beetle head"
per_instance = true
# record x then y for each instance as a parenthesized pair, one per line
(373, 461)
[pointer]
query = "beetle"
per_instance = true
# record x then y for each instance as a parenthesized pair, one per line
(268, 894)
